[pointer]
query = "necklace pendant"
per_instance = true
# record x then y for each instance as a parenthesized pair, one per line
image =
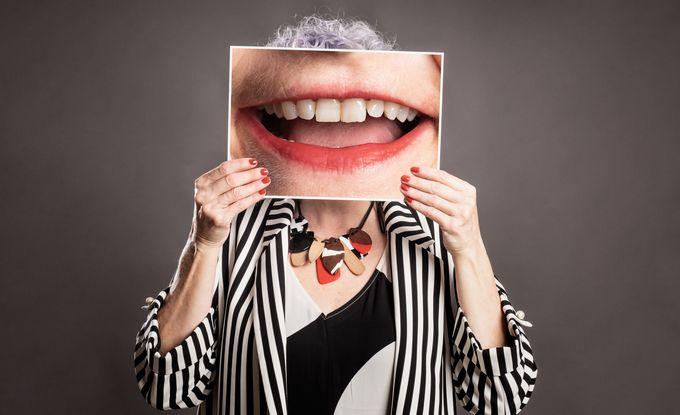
(361, 240)
(315, 250)
(353, 263)
(300, 241)
(332, 255)
(322, 275)
(298, 259)
(298, 245)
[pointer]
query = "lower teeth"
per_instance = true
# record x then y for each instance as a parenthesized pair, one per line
(273, 125)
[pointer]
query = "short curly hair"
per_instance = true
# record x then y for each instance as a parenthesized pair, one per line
(320, 32)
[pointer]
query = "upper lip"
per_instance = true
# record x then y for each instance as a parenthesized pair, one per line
(306, 80)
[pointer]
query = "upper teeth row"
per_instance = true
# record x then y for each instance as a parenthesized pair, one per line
(347, 110)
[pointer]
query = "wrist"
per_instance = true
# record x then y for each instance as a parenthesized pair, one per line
(206, 247)
(471, 252)
(473, 264)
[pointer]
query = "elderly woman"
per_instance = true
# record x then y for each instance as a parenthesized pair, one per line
(408, 317)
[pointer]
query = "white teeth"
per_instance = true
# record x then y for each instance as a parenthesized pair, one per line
(328, 110)
(353, 110)
(278, 110)
(391, 110)
(306, 109)
(334, 110)
(402, 113)
(375, 107)
(411, 114)
(289, 110)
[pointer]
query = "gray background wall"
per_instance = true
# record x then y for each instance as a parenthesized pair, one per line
(564, 114)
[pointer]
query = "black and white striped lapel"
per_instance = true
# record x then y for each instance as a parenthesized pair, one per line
(402, 220)
(252, 232)
(269, 305)
(419, 295)
(239, 259)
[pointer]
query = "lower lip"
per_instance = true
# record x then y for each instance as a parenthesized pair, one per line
(332, 159)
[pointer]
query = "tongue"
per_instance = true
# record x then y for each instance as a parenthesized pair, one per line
(340, 134)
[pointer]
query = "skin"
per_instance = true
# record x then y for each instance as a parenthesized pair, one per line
(263, 76)
(233, 186)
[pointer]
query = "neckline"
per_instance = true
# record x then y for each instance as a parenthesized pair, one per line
(290, 273)
(355, 297)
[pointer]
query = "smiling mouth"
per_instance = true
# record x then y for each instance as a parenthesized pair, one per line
(334, 123)
(340, 135)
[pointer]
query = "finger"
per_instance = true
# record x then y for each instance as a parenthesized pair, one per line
(233, 180)
(434, 187)
(441, 176)
(435, 214)
(428, 199)
(240, 192)
(226, 167)
(244, 203)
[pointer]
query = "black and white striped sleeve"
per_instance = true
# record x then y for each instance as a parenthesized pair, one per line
(184, 376)
(497, 380)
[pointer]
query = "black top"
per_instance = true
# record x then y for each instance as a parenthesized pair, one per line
(324, 356)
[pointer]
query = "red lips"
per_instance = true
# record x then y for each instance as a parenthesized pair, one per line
(333, 159)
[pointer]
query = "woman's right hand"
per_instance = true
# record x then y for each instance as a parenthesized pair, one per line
(222, 193)
(219, 195)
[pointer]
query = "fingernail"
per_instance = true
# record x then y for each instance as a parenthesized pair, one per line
(252, 161)
(415, 169)
(404, 187)
(262, 191)
(405, 178)
(266, 180)
(408, 199)
(264, 171)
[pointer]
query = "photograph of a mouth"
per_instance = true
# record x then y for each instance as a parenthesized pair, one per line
(336, 134)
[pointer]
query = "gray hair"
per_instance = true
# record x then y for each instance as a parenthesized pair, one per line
(317, 32)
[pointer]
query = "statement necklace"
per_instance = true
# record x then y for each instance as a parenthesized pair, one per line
(329, 253)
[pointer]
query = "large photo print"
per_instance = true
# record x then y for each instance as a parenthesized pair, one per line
(335, 124)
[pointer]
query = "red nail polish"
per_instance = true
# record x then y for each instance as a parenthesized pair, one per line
(262, 191)
(252, 161)
(266, 180)
(405, 178)
(404, 187)
(408, 199)
(415, 169)
(264, 171)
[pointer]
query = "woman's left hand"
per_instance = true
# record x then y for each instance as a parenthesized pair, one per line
(449, 201)
(452, 203)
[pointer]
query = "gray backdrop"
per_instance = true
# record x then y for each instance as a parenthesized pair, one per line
(564, 114)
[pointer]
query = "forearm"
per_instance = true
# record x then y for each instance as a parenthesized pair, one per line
(190, 296)
(478, 296)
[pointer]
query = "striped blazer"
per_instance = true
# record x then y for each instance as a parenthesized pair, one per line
(235, 360)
